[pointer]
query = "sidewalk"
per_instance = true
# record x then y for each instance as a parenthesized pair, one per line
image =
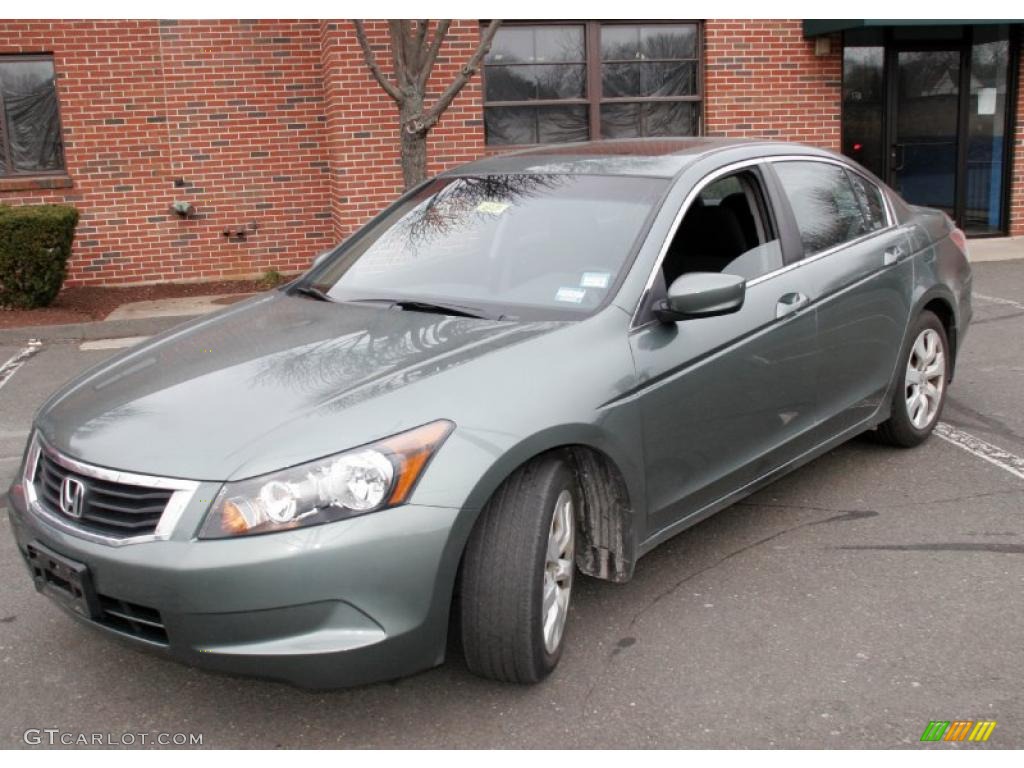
(996, 248)
(139, 318)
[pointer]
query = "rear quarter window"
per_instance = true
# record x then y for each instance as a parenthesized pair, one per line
(870, 197)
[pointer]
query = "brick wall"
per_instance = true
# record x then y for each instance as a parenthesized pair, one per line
(278, 128)
(232, 110)
(762, 79)
(1017, 173)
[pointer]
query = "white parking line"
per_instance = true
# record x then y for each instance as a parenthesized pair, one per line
(127, 341)
(974, 445)
(999, 300)
(8, 369)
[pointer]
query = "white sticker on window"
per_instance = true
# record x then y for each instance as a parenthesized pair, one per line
(493, 207)
(595, 280)
(571, 295)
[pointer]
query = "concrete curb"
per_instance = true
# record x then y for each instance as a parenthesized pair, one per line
(101, 329)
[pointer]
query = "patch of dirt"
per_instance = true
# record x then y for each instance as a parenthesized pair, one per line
(83, 304)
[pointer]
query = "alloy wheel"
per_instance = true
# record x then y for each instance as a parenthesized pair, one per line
(925, 379)
(558, 571)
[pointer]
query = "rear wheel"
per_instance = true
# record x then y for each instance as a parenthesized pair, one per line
(517, 574)
(920, 394)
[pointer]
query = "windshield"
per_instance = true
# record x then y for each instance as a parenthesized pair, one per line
(515, 246)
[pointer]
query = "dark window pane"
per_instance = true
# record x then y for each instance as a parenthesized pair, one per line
(537, 45)
(620, 80)
(510, 125)
(511, 45)
(863, 99)
(663, 41)
(826, 209)
(649, 79)
(559, 43)
(535, 125)
(663, 79)
(620, 42)
(631, 120)
(560, 124)
(627, 42)
(560, 81)
(537, 81)
(33, 123)
(509, 84)
(870, 198)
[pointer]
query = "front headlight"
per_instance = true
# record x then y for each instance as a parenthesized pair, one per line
(366, 479)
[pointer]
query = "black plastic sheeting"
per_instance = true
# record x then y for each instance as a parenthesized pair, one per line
(30, 138)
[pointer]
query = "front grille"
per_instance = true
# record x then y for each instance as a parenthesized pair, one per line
(113, 509)
(132, 619)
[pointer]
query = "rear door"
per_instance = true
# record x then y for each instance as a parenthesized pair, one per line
(859, 267)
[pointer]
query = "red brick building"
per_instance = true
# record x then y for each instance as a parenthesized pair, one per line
(277, 135)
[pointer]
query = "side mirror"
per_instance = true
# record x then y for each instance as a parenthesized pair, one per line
(701, 294)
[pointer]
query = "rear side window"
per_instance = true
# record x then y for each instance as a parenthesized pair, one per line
(870, 198)
(824, 203)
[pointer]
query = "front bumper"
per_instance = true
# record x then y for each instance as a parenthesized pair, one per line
(340, 604)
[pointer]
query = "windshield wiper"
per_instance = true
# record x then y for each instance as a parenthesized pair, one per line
(415, 305)
(312, 291)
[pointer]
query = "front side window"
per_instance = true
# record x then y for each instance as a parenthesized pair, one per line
(728, 229)
(531, 246)
(824, 204)
(550, 83)
(30, 136)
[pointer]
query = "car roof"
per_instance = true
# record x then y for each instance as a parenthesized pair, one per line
(664, 158)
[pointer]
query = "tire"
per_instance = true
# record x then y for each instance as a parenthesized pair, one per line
(908, 426)
(505, 573)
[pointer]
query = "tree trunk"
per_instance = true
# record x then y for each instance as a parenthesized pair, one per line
(414, 143)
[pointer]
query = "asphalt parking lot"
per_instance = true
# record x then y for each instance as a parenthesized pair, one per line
(847, 605)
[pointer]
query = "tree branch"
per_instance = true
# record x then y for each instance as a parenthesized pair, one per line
(431, 116)
(399, 35)
(371, 62)
(421, 36)
(435, 46)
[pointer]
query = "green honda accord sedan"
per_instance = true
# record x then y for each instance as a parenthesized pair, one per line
(532, 366)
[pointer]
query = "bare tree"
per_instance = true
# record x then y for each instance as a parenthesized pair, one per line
(414, 52)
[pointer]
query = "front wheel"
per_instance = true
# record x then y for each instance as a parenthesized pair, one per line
(517, 574)
(921, 391)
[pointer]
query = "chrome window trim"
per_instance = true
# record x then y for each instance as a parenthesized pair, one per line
(183, 490)
(890, 216)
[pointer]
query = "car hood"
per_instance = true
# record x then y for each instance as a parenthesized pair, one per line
(277, 376)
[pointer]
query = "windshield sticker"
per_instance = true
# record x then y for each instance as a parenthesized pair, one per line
(492, 207)
(571, 295)
(595, 280)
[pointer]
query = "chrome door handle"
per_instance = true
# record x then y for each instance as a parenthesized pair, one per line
(789, 303)
(892, 255)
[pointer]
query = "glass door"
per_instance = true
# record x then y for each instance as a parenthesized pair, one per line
(928, 109)
(925, 145)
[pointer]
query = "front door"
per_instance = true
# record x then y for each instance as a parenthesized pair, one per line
(925, 144)
(725, 399)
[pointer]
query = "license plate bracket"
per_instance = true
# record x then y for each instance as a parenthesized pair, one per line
(66, 581)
